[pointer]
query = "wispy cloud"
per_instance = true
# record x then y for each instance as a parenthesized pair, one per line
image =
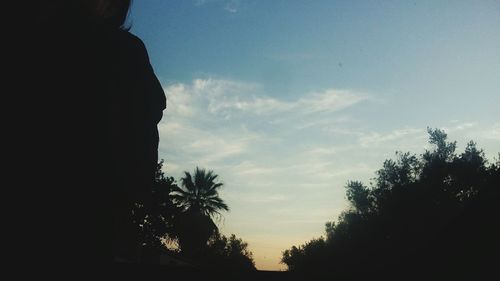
(459, 126)
(416, 139)
(323, 151)
(330, 100)
(255, 105)
(248, 168)
(227, 98)
(486, 136)
(230, 6)
(210, 121)
(264, 198)
(202, 146)
(376, 139)
(493, 132)
(323, 122)
(204, 94)
(199, 2)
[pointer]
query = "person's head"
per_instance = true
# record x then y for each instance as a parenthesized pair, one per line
(109, 12)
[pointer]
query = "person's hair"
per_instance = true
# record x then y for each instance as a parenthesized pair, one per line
(110, 13)
(119, 13)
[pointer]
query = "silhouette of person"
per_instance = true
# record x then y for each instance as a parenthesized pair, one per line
(99, 106)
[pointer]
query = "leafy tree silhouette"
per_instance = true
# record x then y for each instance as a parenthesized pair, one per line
(433, 215)
(155, 216)
(228, 253)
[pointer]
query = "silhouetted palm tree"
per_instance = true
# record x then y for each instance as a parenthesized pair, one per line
(199, 193)
(199, 199)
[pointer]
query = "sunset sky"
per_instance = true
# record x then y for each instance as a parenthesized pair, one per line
(288, 100)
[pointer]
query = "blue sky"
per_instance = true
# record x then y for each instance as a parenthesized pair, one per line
(288, 100)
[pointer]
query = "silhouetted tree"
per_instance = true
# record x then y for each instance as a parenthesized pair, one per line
(306, 257)
(184, 215)
(155, 217)
(199, 201)
(228, 254)
(435, 214)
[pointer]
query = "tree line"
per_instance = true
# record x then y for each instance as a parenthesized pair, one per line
(429, 216)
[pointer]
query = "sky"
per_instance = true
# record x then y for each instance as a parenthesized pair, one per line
(289, 100)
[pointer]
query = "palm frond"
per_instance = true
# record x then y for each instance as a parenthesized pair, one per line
(187, 182)
(179, 190)
(215, 186)
(199, 193)
(218, 204)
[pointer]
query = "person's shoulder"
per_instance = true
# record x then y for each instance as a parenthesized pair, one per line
(130, 39)
(131, 45)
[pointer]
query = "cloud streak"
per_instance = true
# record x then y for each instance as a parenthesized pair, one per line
(230, 6)
(210, 121)
(330, 100)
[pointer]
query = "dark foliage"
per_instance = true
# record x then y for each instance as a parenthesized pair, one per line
(429, 216)
(155, 217)
(184, 215)
(229, 254)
